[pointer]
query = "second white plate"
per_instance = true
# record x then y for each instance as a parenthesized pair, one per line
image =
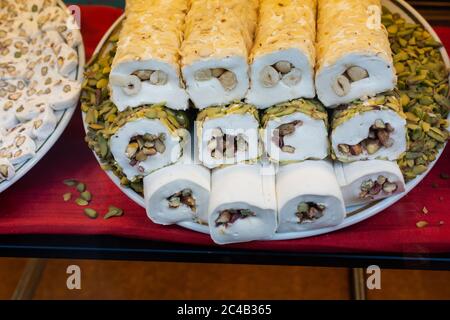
(355, 214)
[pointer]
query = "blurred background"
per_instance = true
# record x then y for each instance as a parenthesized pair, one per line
(46, 279)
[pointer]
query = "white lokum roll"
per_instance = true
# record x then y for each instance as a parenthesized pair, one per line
(308, 197)
(146, 140)
(242, 205)
(178, 193)
(354, 57)
(228, 135)
(296, 131)
(218, 40)
(146, 68)
(366, 181)
(372, 129)
(283, 56)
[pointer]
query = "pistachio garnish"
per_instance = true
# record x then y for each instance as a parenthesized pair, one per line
(423, 88)
(67, 197)
(81, 187)
(86, 195)
(81, 202)
(113, 212)
(91, 213)
(70, 182)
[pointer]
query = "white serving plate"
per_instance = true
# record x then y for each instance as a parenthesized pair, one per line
(63, 117)
(355, 214)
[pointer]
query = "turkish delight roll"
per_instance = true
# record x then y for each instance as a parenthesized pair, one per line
(7, 170)
(296, 131)
(178, 193)
(372, 129)
(228, 135)
(283, 56)
(353, 52)
(309, 196)
(218, 39)
(146, 67)
(366, 181)
(242, 206)
(145, 140)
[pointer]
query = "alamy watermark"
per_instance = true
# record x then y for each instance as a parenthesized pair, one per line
(73, 281)
(373, 281)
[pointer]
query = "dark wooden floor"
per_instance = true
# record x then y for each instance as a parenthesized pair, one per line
(143, 280)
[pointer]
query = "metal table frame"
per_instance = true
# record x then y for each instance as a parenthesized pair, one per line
(115, 248)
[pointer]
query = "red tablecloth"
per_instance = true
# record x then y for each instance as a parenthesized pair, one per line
(34, 205)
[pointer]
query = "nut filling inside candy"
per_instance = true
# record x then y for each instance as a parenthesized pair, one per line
(371, 188)
(142, 147)
(226, 78)
(379, 136)
(184, 197)
(309, 212)
(132, 84)
(285, 130)
(226, 145)
(282, 71)
(342, 84)
(155, 77)
(228, 217)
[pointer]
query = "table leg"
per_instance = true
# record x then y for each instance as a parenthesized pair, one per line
(357, 284)
(29, 281)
